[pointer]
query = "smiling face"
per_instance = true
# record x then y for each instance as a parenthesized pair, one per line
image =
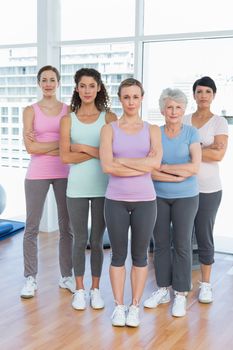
(87, 89)
(48, 83)
(131, 99)
(203, 96)
(173, 112)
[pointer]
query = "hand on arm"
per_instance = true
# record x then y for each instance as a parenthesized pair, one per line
(153, 159)
(187, 169)
(110, 165)
(32, 145)
(164, 177)
(66, 154)
(216, 151)
(81, 148)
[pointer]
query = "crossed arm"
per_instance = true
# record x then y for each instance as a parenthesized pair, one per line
(32, 145)
(179, 172)
(216, 151)
(129, 166)
(77, 153)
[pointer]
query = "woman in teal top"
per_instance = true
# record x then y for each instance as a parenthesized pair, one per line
(177, 202)
(79, 146)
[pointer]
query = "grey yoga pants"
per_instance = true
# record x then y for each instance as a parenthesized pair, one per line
(35, 192)
(140, 216)
(204, 225)
(173, 236)
(78, 211)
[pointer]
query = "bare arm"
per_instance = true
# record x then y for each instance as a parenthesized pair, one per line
(67, 156)
(153, 160)
(216, 151)
(93, 151)
(110, 166)
(31, 144)
(160, 176)
(187, 169)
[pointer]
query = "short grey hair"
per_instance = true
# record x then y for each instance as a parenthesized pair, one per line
(172, 94)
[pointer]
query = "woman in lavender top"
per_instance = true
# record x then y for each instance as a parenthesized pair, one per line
(129, 150)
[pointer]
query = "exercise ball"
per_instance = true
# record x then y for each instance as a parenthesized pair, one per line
(2, 199)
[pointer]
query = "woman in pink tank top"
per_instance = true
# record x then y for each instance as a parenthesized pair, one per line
(41, 137)
(129, 150)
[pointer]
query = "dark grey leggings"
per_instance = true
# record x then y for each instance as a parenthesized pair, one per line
(35, 193)
(121, 215)
(204, 225)
(173, 266)
(78, 211)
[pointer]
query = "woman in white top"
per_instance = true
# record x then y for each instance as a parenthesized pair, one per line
(213, 131)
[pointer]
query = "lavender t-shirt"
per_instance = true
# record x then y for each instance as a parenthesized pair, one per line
(131, 188)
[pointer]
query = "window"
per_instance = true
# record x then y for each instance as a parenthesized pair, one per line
(103, 58)
(102, 18)
(182, 16)
(16, 13)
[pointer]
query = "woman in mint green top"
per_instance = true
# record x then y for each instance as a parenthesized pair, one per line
(79, 146)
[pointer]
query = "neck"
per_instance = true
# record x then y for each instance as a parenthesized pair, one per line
(88, 110)
(132, 119)
(173, 128)
(51, 100)
(203, 113)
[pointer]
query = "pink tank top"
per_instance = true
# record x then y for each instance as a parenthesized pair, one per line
(47, 128)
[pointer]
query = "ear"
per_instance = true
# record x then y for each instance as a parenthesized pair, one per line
(99, 88)
(76, 89)
(214, 95)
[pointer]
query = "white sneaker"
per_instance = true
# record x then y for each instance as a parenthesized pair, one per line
(96, 299)
(161, 296)
(68, 283)
(179, 305)
(29, 288)
(205, 294)
(79, 300)
(132, 318)
(119, 316)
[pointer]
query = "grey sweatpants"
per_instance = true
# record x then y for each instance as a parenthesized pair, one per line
(78, 211)
(140, 216)
(204, 225)
(35, 192)
(173, 249)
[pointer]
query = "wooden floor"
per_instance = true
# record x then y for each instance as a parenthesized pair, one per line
(49, 322)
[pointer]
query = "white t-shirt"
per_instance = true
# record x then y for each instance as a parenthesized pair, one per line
(208, 175)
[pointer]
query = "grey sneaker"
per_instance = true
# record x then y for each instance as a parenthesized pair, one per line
(161, 296)
(29, 288)
(179, 305)
(119, 316)
(205, 294)
(68, 283)
(132, 318)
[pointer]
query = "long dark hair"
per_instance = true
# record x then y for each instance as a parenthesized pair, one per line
(102, 100)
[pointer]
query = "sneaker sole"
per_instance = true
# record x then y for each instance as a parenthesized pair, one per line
(202, 301)
(79, 309)
(26, 296)
(162, 302)
(62, 286)
(97, 308)
(132, 325)
(118, 325)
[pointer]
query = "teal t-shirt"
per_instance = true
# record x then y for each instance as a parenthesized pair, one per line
(176, 151)
(86, 179)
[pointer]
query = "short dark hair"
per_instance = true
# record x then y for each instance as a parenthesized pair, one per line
(205, 81)
(130, 82)
(48, 67)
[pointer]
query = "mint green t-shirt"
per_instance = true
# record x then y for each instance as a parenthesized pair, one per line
(86, 179)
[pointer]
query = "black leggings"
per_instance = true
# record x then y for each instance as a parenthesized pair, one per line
(121, 215)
